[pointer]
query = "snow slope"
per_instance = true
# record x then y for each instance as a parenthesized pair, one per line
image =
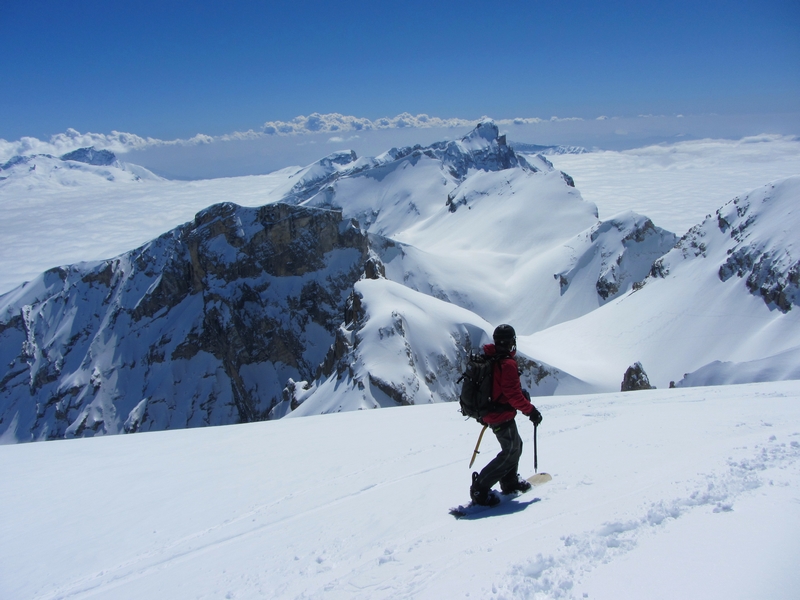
(408, 348)
(686, 493)
(490, 231)
(727, 292)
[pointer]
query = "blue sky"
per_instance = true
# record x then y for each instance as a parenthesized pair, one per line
(170, 69)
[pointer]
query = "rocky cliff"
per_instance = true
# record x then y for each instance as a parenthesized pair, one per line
(201, 326)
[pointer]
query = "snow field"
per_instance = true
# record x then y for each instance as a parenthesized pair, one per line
(651, 486)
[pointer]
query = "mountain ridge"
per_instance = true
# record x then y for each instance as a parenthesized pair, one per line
(323, 299)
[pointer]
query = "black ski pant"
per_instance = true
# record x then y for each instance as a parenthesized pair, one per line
(504, 466)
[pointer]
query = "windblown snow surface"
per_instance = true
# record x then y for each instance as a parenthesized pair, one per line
(684, 493)
(692, 492)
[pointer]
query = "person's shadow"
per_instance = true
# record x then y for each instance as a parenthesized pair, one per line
(505, 508)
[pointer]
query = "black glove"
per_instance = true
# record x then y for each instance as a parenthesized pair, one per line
(535, 416)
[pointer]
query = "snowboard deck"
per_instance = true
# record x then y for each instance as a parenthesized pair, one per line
(506, 504)
(539, 478)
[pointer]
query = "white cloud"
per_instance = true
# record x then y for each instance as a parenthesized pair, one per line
(71, 140)
(335, 122)
(337, 139)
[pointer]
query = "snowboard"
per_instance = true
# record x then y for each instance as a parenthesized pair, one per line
(539, 478)
(506, 504)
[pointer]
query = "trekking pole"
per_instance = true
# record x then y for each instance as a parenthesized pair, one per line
(535, 453)
(474, 454)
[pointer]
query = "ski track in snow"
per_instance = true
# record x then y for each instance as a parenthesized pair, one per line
(556, 575)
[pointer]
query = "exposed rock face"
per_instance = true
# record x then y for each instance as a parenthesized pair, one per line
(623, 248)
(635, 379)
(202, 326)
(90, 156)
(14, 161)
(481, 149)
(770, 272)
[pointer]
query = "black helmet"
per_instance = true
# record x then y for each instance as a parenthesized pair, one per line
(505, 338)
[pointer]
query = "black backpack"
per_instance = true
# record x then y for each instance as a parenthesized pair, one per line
(476, 391)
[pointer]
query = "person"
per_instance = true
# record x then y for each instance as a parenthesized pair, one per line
(508, 394)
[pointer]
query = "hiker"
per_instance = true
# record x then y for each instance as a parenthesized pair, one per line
(508, 394)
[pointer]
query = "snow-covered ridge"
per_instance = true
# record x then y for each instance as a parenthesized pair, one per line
(364, 282)
(624, 246)
(482, 149)
(720, 307)
(754, 238)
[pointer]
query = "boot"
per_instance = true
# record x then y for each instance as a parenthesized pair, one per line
(481, 495)
(514, 483)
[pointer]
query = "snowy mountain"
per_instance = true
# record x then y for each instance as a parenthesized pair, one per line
(723, 300)
(82, 167)
(364, 282)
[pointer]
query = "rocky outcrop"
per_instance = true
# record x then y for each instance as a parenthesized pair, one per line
(635, 379)
(770, 272)
(482, 149)
(90, 156)
(621, 249)
(202, 326)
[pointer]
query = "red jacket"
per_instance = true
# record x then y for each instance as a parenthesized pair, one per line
(507, 390)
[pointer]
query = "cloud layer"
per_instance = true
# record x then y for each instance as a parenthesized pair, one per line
(315, 123)
(335, 123)
(278, 144)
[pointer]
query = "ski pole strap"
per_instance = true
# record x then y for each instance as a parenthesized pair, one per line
(474, 454)
(535, 453)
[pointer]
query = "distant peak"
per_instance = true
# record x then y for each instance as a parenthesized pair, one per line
(91, 156)
(341, 157)
(486, 129)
